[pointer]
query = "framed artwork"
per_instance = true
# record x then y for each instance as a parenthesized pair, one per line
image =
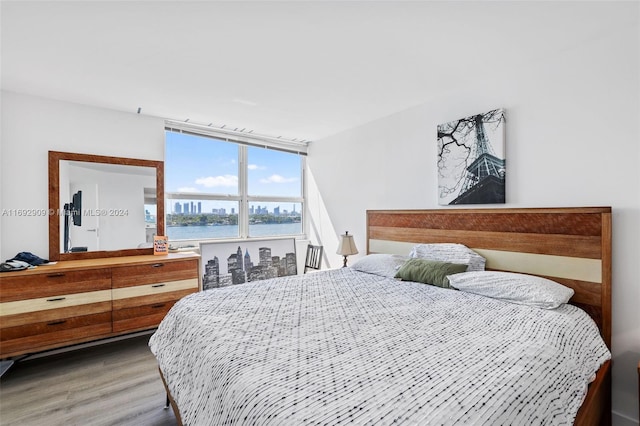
(471, 160)
(231, 263)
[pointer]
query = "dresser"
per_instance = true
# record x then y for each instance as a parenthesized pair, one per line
(79, 301)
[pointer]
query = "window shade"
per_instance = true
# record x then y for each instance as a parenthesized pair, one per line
(299, 148)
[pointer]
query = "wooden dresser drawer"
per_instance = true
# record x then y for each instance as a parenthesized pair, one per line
(142, 316)
(33, 286)
(37, 324)
(130, 297)
(53, 302)
(157, 272)
(31, 317)
(47, 334)
(142, 307)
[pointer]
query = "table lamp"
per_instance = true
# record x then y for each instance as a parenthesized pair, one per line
(347, 247)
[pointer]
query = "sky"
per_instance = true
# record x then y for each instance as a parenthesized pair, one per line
(203, 165)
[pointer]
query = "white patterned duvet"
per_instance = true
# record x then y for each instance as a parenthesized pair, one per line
(342, 347)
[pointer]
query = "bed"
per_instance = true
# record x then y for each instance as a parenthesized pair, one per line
(356, 346)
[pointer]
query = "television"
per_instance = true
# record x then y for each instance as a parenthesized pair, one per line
(76, 208)
(72, 210)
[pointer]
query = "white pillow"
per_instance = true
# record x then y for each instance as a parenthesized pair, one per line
(512, 287)
(451, 253)
(385, 265)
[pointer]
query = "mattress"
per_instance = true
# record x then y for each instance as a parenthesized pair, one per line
(346, 347)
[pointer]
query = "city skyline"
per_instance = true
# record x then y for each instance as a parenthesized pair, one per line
(240, 266)
(191, 208)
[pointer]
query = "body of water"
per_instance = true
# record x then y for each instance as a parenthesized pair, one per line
(175, 233)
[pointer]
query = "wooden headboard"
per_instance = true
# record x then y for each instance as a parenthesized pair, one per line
(570, 245)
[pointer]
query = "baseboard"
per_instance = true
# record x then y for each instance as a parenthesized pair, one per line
(619, 419)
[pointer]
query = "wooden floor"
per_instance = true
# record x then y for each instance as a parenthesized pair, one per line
(111, 384)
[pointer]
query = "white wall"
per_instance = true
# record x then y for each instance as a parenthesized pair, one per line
(573, 139)
(33, 126)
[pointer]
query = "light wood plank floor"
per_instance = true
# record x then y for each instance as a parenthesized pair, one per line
(111, 384)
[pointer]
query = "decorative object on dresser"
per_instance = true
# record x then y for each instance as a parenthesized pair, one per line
(347, 247)
(160, 245)
(79, 301)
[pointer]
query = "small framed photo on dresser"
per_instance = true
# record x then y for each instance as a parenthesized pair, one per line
(160, 245)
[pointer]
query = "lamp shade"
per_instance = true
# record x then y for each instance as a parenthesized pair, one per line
(347, 246)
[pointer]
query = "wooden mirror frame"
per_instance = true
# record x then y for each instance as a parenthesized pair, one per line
(54, 203)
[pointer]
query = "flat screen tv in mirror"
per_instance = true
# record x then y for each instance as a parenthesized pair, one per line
(76, 208)
(109, 206)
(72, 215)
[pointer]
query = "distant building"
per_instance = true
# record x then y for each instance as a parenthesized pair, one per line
(262, 273)
(185, 208)
(177, 208)
(235, 266)
(247, 261)
(279, 264)
(199, 207)
(265, 256)
(291, 265)
(238, 276)
(211, 277)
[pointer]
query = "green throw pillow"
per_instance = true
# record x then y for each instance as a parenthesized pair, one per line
(429, 271)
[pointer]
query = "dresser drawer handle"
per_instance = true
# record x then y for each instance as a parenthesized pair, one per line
(56, 299)
(158, 305)
(157, 265)
(57, 322)
(157, 285)
(58, 275)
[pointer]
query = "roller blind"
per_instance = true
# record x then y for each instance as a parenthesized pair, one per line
(278, 144)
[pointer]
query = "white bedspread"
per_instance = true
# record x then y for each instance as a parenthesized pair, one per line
(346, 347)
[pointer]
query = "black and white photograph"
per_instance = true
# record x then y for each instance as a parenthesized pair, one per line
(471, 160)
(231, 263)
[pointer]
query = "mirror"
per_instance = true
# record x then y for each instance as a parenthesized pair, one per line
(103, 206)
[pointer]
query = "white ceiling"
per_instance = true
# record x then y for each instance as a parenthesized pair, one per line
(296, 69)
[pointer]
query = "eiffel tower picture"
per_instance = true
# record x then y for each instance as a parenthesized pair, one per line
(471, 161)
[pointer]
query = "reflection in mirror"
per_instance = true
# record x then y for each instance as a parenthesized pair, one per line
(107, 206)
(103, 206)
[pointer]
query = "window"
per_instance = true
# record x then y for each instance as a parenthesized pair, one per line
(219, 187)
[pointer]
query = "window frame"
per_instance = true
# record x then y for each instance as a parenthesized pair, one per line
(243, 198)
